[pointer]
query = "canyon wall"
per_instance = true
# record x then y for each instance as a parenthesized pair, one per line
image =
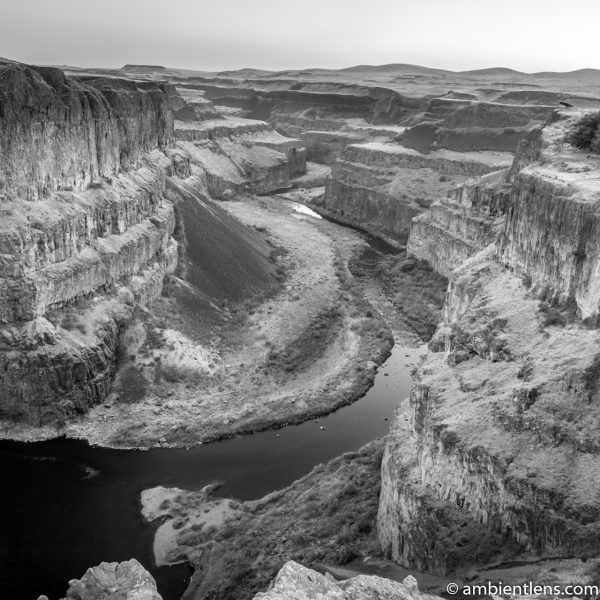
(550, 235)
(86, 231)
(496, 453)
(88, 225)
(380, 187)
(61, 133)
(464, 222)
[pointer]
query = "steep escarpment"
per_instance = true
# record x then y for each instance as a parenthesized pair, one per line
(326, 115)
(551, 231)
(240, 155)
(84, 220)
(472, 215)
(464, 222)
(496, 453)
(382, 186)
(89, 227)
(278, 99)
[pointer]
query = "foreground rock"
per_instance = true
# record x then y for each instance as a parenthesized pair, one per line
(295, 582)
(114, 581)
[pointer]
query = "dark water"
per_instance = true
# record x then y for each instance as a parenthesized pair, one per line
(377, 243)
(66, 506)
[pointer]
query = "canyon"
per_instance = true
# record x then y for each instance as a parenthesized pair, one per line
(166, 282)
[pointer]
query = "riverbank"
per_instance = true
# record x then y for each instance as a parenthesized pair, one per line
(306, 350)
(327, 516)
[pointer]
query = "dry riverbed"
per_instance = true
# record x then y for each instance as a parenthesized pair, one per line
(304, 351)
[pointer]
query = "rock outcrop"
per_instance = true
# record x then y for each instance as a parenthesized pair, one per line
(84, 220)
(114, 581)
(458, 226)
(240, 155)
(550, 235)
(470, 125)
(295, 582)
(57, 132)
(496, 452)
(382, 186)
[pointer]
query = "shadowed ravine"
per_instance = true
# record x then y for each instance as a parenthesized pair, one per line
(73, 505)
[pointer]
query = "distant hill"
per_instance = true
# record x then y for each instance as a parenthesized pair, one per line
(579, 74)
(494, 71)
(144, 68)
(247, 72)
(395, 68)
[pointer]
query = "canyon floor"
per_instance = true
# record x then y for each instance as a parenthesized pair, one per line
(307, 348)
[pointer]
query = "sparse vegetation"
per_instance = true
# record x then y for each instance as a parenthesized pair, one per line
(328, 516)
(416, 290)
(551, 315)
(586, 133)
(308, 347)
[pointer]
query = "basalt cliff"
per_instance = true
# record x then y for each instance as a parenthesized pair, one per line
(96, 175)
(495, 454)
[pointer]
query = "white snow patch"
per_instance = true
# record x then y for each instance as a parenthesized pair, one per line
(300, 208)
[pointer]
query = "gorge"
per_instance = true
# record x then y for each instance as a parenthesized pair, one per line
(196, 372)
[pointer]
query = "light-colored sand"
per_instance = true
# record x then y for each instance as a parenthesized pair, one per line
(180, 509)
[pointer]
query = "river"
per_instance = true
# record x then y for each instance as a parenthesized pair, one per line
(66, 505)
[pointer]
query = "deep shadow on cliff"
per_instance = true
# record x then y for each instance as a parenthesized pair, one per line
(221, 261)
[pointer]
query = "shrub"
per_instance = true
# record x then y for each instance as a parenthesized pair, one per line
(586, 133)
(133, 385)
(551, 315)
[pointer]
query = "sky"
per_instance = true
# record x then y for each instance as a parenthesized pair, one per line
(527, 35)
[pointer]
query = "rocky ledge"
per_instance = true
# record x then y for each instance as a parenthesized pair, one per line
(117, 581)
(382, 186)
(295, 582)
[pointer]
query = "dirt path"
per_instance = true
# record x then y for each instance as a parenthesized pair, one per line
(309, 349)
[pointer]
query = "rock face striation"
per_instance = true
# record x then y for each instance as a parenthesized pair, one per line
(57, 132)
(88, 223)
(496, 453)
(458, 226)
(550, 235)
